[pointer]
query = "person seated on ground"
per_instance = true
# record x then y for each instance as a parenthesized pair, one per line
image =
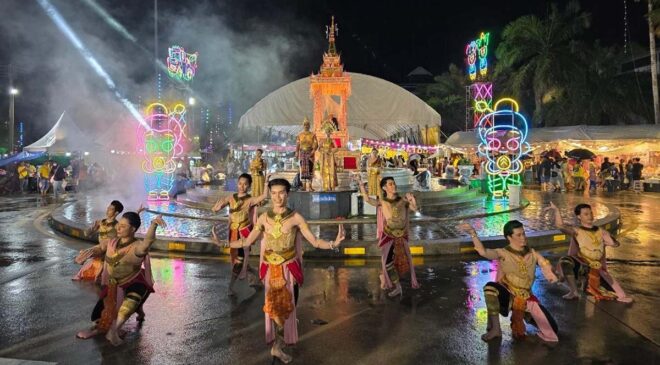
(586, 257)
(513, 288)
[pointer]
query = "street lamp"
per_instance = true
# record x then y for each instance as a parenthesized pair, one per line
(191, 102)
(12, 93)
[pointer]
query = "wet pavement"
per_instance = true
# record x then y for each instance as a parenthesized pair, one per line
(187, 222)
(191, 320)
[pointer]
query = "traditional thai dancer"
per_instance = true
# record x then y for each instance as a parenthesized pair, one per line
(306, 145)
(392, 232)
(242, 215)
(374, 166)
(586, 257)
(126, 277)
(512, 289)
(257, 168)
(281, 264)
(91, 269)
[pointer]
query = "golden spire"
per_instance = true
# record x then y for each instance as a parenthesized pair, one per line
(330, 33)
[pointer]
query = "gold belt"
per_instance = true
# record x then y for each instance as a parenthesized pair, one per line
(516, 291)
(239, 225)
(278, 258)
(395, 232)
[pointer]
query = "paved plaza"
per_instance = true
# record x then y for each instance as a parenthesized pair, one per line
(344, 317)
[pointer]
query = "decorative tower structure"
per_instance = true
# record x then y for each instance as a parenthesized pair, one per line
(330, 90)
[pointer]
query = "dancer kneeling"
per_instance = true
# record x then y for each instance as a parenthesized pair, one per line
(515, 276)
(280, 264)
(126, 278)
(586, 257)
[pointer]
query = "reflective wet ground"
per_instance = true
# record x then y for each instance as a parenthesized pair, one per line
(190, 320)
(89, 208)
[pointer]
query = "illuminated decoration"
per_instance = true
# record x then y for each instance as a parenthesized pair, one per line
(390, 149)
(181, 65)
(330, 90)
(503, 134)
(160, 145)
(476, 53)
(482, 102)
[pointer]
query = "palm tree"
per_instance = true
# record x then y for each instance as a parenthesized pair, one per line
(447, 96)
(535, 55)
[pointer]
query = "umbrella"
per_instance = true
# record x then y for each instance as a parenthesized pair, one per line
(552, 153)
(581, 154)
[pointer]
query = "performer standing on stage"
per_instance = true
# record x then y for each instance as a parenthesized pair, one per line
(281, 264)
(327, 163)
(126, 276)
(306, 145)
(392, 231)
(257, 169)
(242, 215)
(374, 166)
(515, 276)
(586, 257)
(92, 268)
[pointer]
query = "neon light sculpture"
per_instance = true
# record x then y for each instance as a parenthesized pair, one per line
(162, 144)
(503, 143)
(482, 92)
(181, 65)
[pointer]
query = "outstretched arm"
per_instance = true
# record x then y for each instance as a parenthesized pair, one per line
(95, 251)
(546, 267)
(412, 202)
(364, 193)
(315, 241)
(142, 247)
(478, 246)
(221, 203)
(559, 223)
(95, 227)
(608, 240)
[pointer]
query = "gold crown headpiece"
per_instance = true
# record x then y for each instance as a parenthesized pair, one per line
(306, 121)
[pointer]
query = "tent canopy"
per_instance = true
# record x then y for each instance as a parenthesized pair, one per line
(65, 136)
(575, 133)
(22, 156)
(377, 109)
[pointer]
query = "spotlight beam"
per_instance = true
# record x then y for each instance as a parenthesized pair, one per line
(64, 27)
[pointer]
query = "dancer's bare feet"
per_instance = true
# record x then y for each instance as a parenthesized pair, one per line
(382, 282)
(83, 335)
(571, 295)
(625, 299)
(277, 352)
(113, 337)
(396, 291)
(491, 334)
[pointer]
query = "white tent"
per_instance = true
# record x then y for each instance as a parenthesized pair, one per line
(377, 109)
(570, 133)
(65, 136)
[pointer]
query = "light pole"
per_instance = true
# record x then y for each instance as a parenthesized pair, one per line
(191, 103)
(12, 93)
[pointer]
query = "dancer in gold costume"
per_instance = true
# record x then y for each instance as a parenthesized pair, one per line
(281, 264)
(257, 169)
(327, 161)
(306, 145)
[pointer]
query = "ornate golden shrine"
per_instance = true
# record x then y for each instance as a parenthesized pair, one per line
(330, 90)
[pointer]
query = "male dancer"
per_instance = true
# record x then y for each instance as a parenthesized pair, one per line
(242, 214)
(392, 232)
(281, 264)
(586, 257)
(106, 228)
(126, 277)
(515, 276)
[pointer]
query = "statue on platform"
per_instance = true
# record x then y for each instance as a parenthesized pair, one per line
(327, 161)
(374, 166)
(306, 145)
(257, 168)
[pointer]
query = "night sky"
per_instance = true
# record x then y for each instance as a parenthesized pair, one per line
(283, 40)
